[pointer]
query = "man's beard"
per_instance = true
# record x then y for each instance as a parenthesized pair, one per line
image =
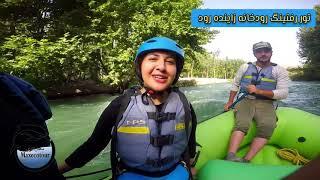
(264, 59)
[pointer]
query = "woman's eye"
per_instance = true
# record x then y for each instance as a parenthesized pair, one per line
(152, 59)
(171, 61)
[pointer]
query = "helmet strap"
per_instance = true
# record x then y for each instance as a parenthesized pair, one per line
(153, 93)
(149, 93)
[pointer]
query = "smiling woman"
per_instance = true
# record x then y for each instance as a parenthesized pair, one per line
(158, 70)
(155, 120)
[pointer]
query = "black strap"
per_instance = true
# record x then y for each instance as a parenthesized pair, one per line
(161, 116)
(196, 156)
(186, 107)
(123, 106)
(162, 140)
(255, 82)
(159, 162)
(188, 118)
(254, 74)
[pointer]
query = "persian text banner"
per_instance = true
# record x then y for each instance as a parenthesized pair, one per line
(253, 18)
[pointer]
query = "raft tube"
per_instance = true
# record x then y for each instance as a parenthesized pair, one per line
(296, 129)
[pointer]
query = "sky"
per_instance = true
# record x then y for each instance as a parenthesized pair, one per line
(236, 42)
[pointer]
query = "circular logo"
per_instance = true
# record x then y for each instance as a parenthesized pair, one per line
(36, 159)
(32, 147)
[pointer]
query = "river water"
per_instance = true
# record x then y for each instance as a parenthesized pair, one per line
(74, 119)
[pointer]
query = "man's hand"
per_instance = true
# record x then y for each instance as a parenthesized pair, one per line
(227, 105)
(252, 89)
(193, 169)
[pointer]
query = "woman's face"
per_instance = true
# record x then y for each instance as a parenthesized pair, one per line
(158, 70)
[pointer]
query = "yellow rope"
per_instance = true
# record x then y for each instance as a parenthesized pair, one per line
(293, 156)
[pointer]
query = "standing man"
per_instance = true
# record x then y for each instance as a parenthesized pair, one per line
(265, 82)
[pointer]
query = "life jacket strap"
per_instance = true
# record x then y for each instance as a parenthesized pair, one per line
(255, 82)
(159, 162)
(162, 140)
(255, 74)
(161, 116)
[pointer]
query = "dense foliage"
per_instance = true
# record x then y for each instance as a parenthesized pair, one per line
(52, 43)
(309, 50)
(207, 65)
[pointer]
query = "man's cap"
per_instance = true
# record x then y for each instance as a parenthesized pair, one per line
(260, 45)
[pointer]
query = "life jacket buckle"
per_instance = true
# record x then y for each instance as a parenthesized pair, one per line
(184, 164)
(255, 82)
(159, 141)
(160, 116)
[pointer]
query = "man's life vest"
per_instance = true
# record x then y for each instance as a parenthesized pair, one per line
(262, 79)
(151, 141)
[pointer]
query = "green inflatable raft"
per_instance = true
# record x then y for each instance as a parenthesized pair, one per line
(296, 129)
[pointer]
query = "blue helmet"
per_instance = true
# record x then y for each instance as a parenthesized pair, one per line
(163, 44)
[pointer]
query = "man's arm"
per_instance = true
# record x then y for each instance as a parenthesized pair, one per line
(232, 95)
(236, 81)
(253, 89)
(282, 89)
(235, 85)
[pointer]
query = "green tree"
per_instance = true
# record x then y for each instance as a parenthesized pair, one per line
(209, 66)
(309, 49)
(54, 42)
(43, 18)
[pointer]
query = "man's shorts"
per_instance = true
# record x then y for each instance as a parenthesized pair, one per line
(262, 111)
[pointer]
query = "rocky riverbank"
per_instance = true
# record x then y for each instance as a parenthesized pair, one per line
(81, 88)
